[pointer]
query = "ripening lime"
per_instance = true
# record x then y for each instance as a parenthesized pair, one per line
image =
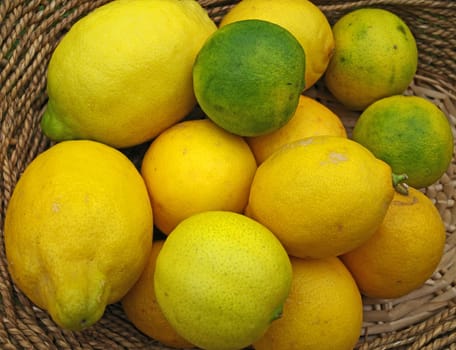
(375, 56)
(411, 134)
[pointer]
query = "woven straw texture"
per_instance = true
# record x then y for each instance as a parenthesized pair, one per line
(30, 30)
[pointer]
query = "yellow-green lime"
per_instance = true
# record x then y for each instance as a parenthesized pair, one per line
(248, 77)
(375, 56)
(411, 134)
(221, 278)
(123, 73)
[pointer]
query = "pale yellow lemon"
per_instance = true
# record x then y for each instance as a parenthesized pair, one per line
(221, 278)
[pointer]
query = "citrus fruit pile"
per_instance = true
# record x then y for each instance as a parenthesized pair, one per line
(253, 217)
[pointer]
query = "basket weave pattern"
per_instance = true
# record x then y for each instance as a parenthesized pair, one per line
(29, 32)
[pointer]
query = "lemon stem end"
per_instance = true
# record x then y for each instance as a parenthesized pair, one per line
(399, 183)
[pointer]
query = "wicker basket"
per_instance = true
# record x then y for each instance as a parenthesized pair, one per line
(30, 30)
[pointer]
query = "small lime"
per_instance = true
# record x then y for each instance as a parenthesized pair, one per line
(248, 77)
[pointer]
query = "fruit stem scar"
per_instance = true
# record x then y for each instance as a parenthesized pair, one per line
(399, 183)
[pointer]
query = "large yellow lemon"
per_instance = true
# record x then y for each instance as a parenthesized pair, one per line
(123, 73)
(221, 278)
(322, 196)
(78, 230)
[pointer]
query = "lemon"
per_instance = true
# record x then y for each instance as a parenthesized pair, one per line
(321, 196)
(248, 77)
(311, 118)
(376, 56)
(123, 73)
(303, 19)
(78, 231)
(221, 278)
(196, 166)
(323, 311)
(142, 309)
(405, 250)
(411, 134)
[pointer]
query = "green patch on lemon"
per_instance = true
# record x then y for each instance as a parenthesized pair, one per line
(411, 134)
(248, 77)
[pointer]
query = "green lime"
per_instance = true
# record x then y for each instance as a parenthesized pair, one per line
(411, 134)
(248, 77)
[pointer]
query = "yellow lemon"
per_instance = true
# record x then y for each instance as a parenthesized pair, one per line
(323, 311)
(248, 77)
(142, 309)
(411, 134)
(78, 230)
(123, 73)
(303, 19)
(405, 250)
(196, 166)
(321, 196)
(376, 56)
(221, 278)
(310, 119)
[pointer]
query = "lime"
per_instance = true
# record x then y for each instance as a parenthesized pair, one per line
(248, 77)
(376, 56)
(409, 133)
